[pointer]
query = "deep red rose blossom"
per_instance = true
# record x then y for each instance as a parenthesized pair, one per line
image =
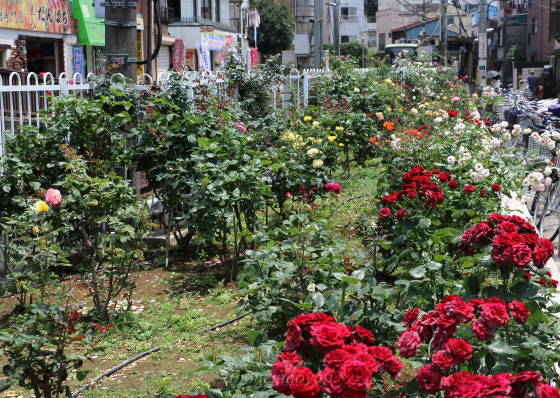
(546, 391)
(400, 214)
(519, 311)
(442, 359)
(356, 375)
(330, 381)
(408, 343)
(468, 188)
(280, 375)
(459, 349)
(336, 358)
(495, 188)
(359, 334)
(293, 337)
(521, 255)
(304, 383)
(482, 192)
(494, 314)
(429, 379)
(453, 184)
(480, 330)
(384, 213)
(328, 335)
(410, 316)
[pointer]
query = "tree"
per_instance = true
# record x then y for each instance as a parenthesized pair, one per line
(276, 30)
(351, 49)
(515, 53)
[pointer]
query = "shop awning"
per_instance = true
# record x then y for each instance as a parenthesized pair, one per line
(91, 30)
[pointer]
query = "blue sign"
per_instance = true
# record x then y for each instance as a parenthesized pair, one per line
(78, 59)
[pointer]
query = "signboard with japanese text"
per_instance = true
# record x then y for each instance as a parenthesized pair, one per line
(217, 40)
(139, 68)
(35, 15)
(78, 59)
(178, 50)
(203, 57)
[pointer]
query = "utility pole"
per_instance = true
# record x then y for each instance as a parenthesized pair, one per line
(482, 23)
(443, 33)
(336, 28)
(423, 21)
(317, 32)
(120, 37)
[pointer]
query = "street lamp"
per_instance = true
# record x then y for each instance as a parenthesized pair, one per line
(363, 63)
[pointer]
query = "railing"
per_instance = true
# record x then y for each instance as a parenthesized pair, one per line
(349, 18)
(198, 21)
(554, 28)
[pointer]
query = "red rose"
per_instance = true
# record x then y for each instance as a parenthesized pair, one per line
(355, 349)
(452, 113)
(506, 227)
(531, 239)
(463, 385)
(482, 192)
(408, 343)
(291, 357)
(405, 86)
(359, 335)
(521, 255)
(495, 188)
(389, 199)
(481, 231)
(293, 337)
(305, 321)
(527, 377)
(400, 214)
(384, 213)
(496, 385)
(304, 383)
(496, 218)
(381, 354)
(527, 275)
(543, 251)
(328, 335)
(280, 375)
(443, 360)
(480, 330)
(394, 367)
(519, 311)
(428, 379)
(453, 184)
(336, 358)
(459, 349)
(330, 381)
(444, 177)
(193, 396)
(546, 391)
(453, 306)
(468, 188)
(494, 314)
(410, 316)
(356, 375)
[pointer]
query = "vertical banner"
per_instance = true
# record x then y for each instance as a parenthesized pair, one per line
(254, 57)
(139, 69)
(204, 64)
(189, 59)
(178, 49)
(78, 60)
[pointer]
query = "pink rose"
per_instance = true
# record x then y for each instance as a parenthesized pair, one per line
(53, 197)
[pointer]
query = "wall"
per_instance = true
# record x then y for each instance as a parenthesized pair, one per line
(541, 44)
(389, 19)
(355, 28)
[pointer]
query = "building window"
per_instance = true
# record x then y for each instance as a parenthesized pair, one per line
(534, 25)
(349, 14)
(381, 41)
(217, 10)
(206, 9)
(372, 41)
(450, 20)
(344, 39)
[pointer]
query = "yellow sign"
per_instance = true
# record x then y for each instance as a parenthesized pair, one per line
(35, 15)
(139, 69)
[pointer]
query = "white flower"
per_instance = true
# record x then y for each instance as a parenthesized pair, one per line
(538, 187)
(546, 134)
(467, 156)
(504, 124)
(356, 90)
(485, 173)
(517, 127)
(507, 136)
(556, 135)
(438, 119)
(478, 167)
(462, 150)
(317, 163)
(451, 159)
(459, 127)
(527, 131)
(312, 152)
(551, 145)
(473, 175)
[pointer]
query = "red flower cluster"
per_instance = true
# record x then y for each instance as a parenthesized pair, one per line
(464, 384)
(417, 183)
(349, 359)
(514, 241)
(452, 113)
(193, 396)
(439, 326)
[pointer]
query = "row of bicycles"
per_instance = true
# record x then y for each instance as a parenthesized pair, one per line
(539, 145)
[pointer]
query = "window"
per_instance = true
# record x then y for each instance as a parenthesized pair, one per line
(372, 41)
(349, 14)
(534, 25)
(206, 9)
(344, 39)
(450, 20)
(382, 41)
(217, 10)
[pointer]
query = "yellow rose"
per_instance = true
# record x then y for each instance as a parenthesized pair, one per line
(307, 118)
(341, 144)
(332, 138)
(315, 124)
(401, 110)
(41, 206)
(445, 97)
(389, 109)
(339, 128)
(317, 163)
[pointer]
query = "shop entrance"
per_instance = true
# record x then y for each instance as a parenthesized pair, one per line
(44, 55)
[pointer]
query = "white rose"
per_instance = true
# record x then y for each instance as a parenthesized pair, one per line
(451, 159)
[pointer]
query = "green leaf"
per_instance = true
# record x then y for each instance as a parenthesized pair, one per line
(471, 284)
(411, 387)
(318, 300)
(501, 347)
(203, 142)
(418, 272)
(81, 375)
(425, 223)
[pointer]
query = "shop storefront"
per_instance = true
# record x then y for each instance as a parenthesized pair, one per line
(35, 34)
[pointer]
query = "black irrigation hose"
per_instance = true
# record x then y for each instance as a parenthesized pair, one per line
(148, 352)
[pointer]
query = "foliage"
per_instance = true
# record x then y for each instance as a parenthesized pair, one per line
(353, 49)
(275, 32)
(515, 53)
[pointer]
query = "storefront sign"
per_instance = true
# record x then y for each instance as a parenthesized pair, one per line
(35, 15)
(189, 59)
(217, 40)
(178, 49)
(253, 57)
(78, 59)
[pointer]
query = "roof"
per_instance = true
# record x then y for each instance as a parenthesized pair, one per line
(413, 25)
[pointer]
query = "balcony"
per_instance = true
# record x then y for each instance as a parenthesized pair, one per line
(554, 28)
(167, 14)
(349, 18)
(197, 21)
